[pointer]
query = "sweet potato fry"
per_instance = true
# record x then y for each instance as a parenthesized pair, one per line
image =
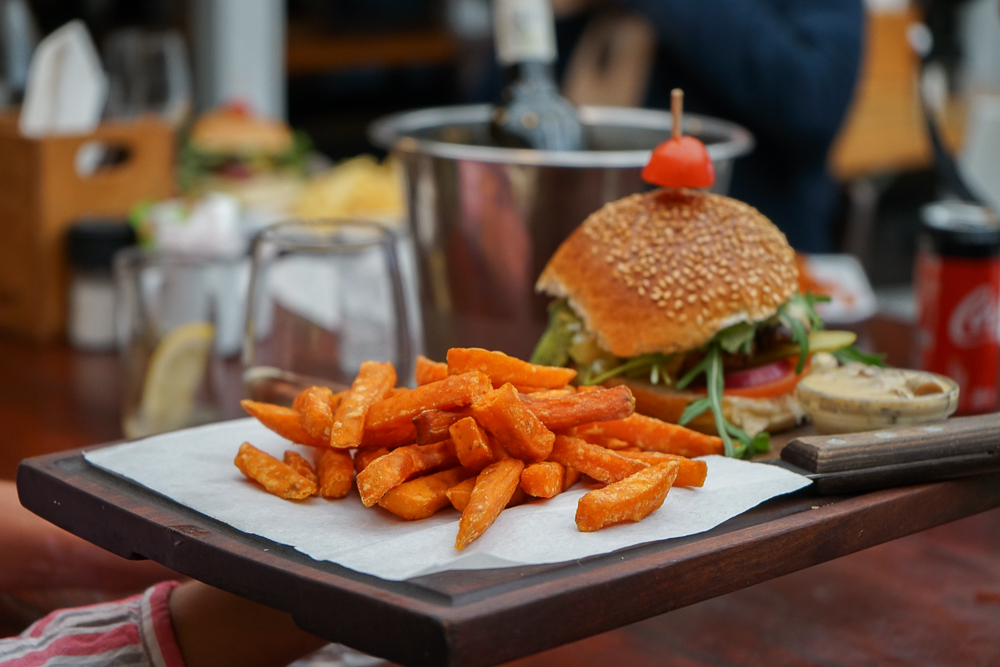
(428, 371)
(374, 382)
(533, 394)
(452, 392)
(363, 457)
(689, 472)
(336, 473)
(543, 480)
(402, 464)
(459, 494)
(283, 421)
(472, 445)
(494, 487)
(560, 413)
(654, 435)
(315, 406)
(595, 438)
(391, 439)
(498, 451)
(298, 463)
(602, 464)
(272, 474)
(572, 477)
(502, 369)
(521, 433)
(631, 499)
(433, 425)
(422, 497)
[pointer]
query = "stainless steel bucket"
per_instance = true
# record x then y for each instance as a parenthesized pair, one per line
(486, 220)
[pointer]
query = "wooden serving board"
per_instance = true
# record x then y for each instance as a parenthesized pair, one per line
(486, 617)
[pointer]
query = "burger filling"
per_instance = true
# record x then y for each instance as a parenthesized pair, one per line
(744, 359)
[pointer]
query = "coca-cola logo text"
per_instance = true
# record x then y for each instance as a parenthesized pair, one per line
(974, 320)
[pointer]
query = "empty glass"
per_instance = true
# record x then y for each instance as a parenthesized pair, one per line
(147, 73)
(324, 296)
(180, 325)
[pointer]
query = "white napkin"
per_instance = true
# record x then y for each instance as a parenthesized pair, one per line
(195, 468)
(66, 87)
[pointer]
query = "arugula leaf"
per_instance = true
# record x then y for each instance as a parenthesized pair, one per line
(850, 353)
(744, 446)
(801, 337)
(694, 409)
(808, 303)
(635, 363)
(553, 347)
(714, 382)
(737, 336)
(700, 367)
(798, 312)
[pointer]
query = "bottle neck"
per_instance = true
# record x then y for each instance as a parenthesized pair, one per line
(529, 71)
(524, 31)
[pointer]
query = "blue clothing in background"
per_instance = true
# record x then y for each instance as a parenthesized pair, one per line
(786, 70)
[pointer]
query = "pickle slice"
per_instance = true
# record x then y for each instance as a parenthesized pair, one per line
(819, 341)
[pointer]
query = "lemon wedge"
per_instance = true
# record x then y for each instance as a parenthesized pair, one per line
(176, 370)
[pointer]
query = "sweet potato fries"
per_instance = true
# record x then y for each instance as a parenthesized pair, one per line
(481, 433)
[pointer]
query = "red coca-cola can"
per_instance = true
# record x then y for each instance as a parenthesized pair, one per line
(958, 300)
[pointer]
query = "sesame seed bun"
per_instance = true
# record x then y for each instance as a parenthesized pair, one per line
(666, 270)
(224, 131)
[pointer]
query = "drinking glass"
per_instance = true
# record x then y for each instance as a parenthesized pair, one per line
(147, 73)
(324, 297)
(179, 321)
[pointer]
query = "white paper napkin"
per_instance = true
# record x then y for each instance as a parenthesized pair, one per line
(66, 86)
(195, 468)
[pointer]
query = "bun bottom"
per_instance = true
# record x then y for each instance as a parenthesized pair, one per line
(753, 415)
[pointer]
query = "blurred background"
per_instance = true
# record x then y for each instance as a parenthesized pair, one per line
(187, 127)
(145, 144)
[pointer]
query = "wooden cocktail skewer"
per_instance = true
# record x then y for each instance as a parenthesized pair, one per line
(677, 111)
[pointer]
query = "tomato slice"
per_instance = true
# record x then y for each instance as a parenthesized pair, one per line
(682, 162)
(758, 375)
(765, 381)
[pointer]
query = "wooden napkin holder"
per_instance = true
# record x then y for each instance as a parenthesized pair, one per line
(42, 192)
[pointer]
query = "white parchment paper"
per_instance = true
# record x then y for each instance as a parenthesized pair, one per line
(195, 468)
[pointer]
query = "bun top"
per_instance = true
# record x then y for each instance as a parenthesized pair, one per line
(232, 131)
(664, 271)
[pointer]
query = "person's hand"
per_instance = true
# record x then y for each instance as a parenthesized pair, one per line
(35, 554)
(218, 629)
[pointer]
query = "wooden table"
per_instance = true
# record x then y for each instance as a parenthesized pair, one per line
(905, 602)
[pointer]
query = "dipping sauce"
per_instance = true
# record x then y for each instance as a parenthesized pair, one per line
(857, 398)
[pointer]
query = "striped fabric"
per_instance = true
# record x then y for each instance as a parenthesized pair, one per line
(135, 632)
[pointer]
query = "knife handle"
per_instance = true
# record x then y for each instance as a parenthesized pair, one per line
(959, 436)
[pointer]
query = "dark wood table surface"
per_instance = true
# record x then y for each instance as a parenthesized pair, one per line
(930, 598)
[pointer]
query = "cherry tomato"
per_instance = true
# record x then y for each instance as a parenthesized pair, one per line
(680, 163)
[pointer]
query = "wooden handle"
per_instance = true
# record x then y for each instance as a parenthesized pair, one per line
(857, 451)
